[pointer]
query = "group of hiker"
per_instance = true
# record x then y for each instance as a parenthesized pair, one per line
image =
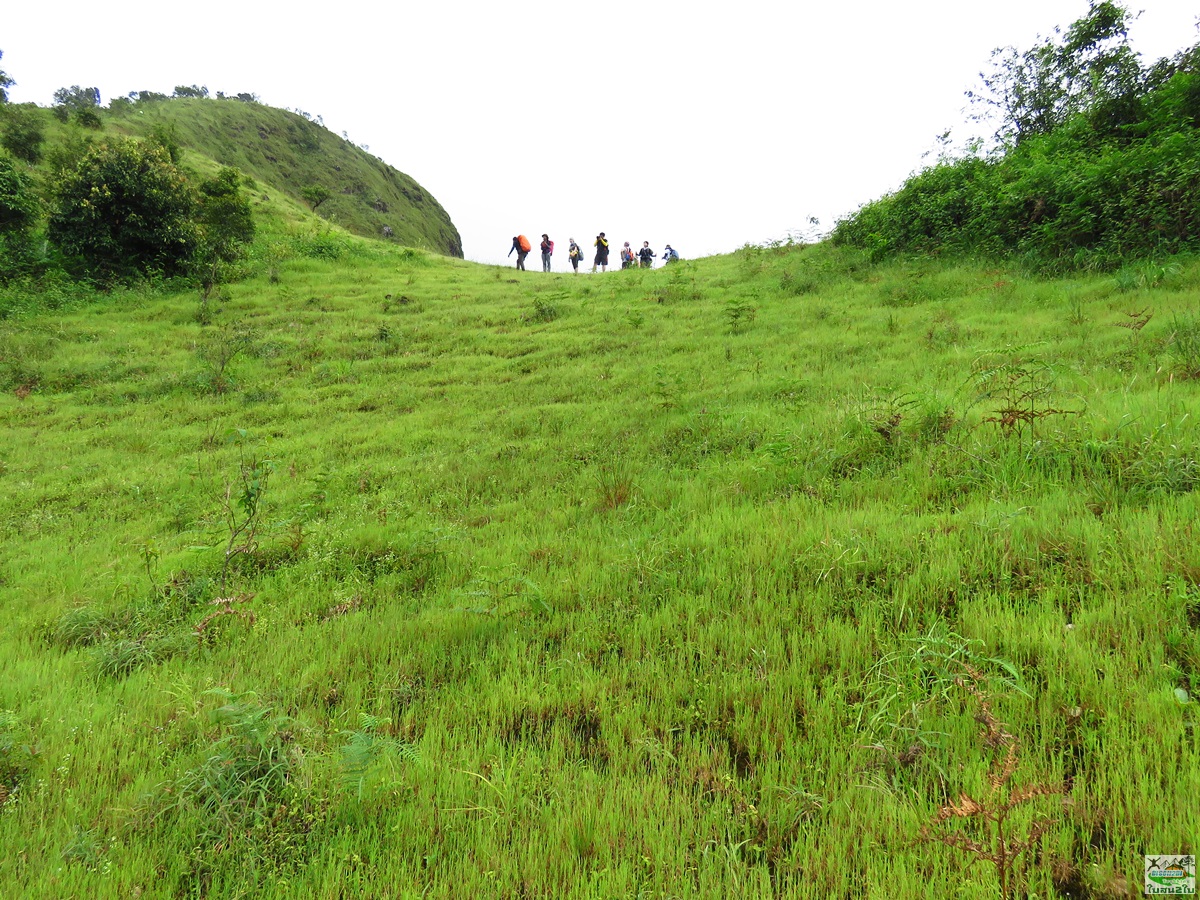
(643, 258)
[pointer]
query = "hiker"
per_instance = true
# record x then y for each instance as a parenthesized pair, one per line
(522, 246)
(645, 256)
(601, 253)
(574, 253)
(670, 255)
(626, 256)
(547, 246)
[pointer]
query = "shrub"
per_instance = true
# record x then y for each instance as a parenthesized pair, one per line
(18, 210)
(125, 210)
(23, 133)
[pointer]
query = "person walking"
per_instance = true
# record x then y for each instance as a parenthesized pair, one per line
(574, 252)
(601, 246)
(670, 255)
(522, 246)
(645, 256)
(547, 247)
(626, 256)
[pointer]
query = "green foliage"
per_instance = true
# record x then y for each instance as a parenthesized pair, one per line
(125, 210)
(1089, 70)
(286, 153)
(166, 135)
(1098, 163)
(19, 209)
(22, 132)
(226, 226)
(245, 772)
(586, 609)
(5, 82)
(79, 104)
(18, 201)
(315, 195)
(17, 755)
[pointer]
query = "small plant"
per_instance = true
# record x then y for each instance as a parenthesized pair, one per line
(229, 342)
(1024, 391)
(367, 749)
(503, 592)
(739, 313)
(616, 486)
(988, 833)
(666, 389)
(242, 506)
(225, 606)
(635, 319)
(1135, 321)
(17, 754)
(544, 310)
(245, 773)
(1184, 347)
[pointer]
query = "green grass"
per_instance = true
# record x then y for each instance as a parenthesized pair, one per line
(590, 587)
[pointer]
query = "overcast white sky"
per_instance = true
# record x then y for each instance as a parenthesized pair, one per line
(703, 125)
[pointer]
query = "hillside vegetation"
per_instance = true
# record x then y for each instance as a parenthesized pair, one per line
(281, 153)
(1096, 161)
(290, 152)
(755, 576)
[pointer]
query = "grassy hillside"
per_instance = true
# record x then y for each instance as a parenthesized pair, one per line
(413, 577)
(286, 152)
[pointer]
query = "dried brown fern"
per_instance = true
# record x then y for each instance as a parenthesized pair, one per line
(990, 836)
(225, 607)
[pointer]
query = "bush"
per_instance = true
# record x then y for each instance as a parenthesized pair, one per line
(18, 212)
(23, 132)
(125, 210)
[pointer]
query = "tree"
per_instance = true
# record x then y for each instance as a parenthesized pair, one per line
(191, 90)
(1090, 69)
(79, 103)
(225, 226)
(125, 210)
(18, 213)
(76, 97)
(22, 132)
(315, 194)
(5, 83)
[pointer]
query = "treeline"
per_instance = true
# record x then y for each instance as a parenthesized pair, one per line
(104, 208)
(1096, 158)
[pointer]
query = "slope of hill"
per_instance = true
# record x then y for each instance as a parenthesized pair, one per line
(413, 577)
(286, 152)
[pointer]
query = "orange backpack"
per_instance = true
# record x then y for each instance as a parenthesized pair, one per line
(523, 243)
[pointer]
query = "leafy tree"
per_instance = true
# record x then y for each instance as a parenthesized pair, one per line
(1089, 68)
(76, 97)
(23, 132)
(191, 90)
(124, 210)
(18, 212)
(18, 203)
(5, 83)
(225, 225)
(315, 194)
(79, 103)
(166, 135)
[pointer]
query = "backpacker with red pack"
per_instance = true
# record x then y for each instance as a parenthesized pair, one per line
(523, 243)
